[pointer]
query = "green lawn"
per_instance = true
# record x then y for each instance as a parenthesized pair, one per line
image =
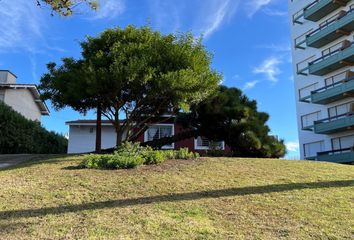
(212, 198)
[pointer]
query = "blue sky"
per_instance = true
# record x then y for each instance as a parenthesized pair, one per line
(250, 41)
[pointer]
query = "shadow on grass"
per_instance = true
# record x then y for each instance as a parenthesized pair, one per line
(39, 159)
(174, 197)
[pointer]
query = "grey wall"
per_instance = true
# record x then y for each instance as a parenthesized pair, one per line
(22, 101)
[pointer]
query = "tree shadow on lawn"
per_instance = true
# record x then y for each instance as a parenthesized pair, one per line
(274, 188)
(41, 159)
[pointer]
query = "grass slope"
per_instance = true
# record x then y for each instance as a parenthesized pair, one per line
(212, 198)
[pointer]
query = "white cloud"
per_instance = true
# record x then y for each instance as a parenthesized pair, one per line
(250, 85)
(292, 146)
(205, 18)
(274, 12)
(253, 6)
(215, 19)
(109, 9)
(284, 47)
(270, 68)
(21, 25)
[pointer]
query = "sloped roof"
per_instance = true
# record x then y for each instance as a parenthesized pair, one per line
(33, 89)
(88, 122)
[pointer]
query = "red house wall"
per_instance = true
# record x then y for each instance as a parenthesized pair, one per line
(187, 143)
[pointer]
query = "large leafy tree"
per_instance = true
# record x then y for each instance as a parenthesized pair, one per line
(232, 117)
(66, 7)
(134, 72)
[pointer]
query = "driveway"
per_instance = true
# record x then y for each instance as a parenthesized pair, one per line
(8, 160)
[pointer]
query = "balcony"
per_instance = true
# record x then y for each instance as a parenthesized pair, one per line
(337, 156)
(335, 124)
(321, 8)
(342, 24)
(332, 61)
(334, 92)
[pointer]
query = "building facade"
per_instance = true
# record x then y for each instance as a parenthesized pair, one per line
(82, 137)
(23, 98)
(323, 57)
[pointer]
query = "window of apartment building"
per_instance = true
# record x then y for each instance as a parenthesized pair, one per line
(203, 143)
(2, 95)
(337, 78)
(301, 67)
(155, 132)
(311, 149)
(343, 142)
(306, 91)
(309, 119)
(344, 44)
(340, 109)
(301, 40)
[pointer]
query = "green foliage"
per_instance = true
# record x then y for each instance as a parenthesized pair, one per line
(184, 153)
(20, 135)
(230, 116)
(154, 157)
(112, 161)
(236, 120)
(65, 7)
(135, 71)
(131, 155)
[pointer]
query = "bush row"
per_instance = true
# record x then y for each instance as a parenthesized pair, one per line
(131, 155)
(20, 135)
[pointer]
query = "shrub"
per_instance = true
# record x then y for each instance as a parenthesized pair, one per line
(20, 135)
(184, 153)
(131, 155)
(111, 161)
(170, 154)
(154, 157)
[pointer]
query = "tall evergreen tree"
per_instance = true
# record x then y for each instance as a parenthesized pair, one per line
(135, 72)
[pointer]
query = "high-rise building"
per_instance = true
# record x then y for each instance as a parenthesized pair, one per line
(323, 59)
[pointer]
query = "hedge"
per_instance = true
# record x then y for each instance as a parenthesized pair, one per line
(20, 135)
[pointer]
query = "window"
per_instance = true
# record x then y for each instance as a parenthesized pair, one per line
(343, 142)
(337, 78)
(306, 91)
(311, 149)
(91, 130)
(159, 131)
(203, 143)
(309, 119)
(340, 109)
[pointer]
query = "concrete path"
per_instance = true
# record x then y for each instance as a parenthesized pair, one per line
(7, 160)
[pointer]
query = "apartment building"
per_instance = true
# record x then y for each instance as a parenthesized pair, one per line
(323, 58)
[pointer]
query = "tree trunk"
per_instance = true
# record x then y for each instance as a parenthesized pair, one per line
(98, 129)
(119, 138)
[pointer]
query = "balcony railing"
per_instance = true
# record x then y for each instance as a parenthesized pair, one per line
(334, 92)
(336, 27)
(345, 155)
(321, 8)
(332, 61)
(334, 124)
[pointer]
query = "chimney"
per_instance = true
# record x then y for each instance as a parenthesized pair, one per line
(7, 77)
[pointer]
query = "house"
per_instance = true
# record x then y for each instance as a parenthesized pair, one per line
(23, 98)
(82, 137)
(323, 57)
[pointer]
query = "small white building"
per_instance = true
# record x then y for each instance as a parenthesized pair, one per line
(82, 137)
(23, 98)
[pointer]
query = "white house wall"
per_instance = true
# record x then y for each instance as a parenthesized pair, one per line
(22, 101)
(82, 139)
(300, 81)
